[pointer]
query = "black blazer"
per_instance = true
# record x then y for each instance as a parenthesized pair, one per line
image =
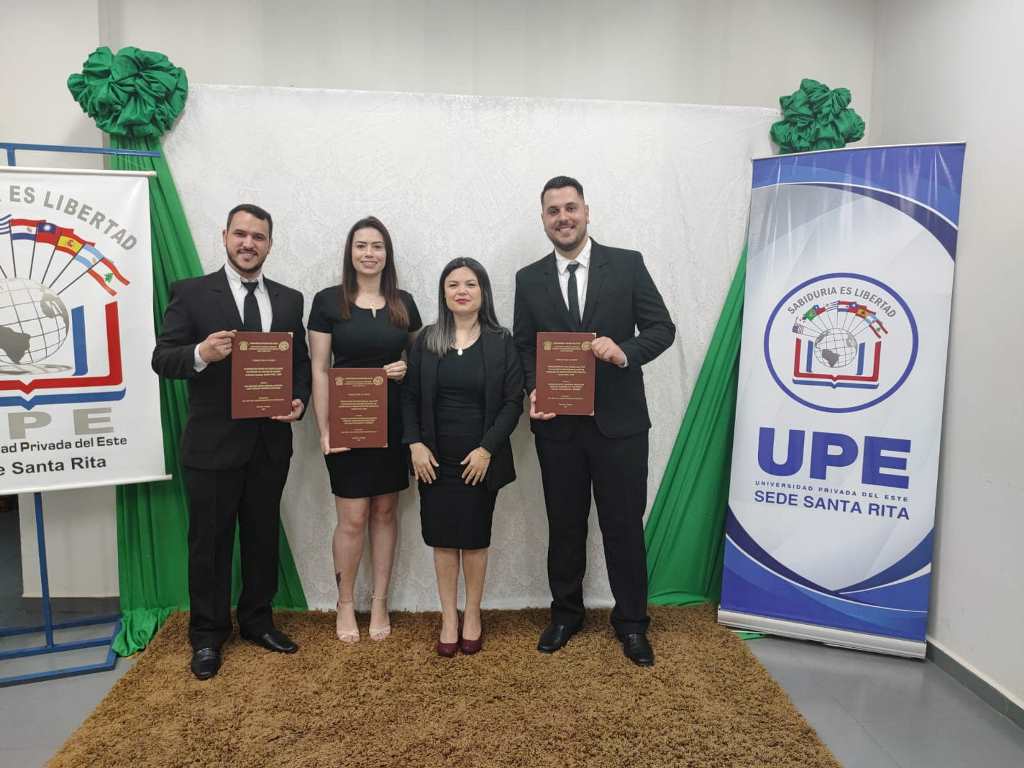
(198, 307)
(623, 304)
(503, 402)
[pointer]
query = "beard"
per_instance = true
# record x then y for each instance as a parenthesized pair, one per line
(581, 236)
(243, 270)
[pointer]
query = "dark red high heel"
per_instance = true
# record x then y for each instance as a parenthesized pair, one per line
(469, 647)
(447, 650)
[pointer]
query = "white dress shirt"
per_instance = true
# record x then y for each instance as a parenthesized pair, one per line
(583, 259)
(238, 293)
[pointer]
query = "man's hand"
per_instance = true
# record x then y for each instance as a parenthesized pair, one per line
(396, 370)
(297, 408)
(476, 463)
(423, 463)
(216, 346)
(534, 413)
(607, 350)
(325, 444)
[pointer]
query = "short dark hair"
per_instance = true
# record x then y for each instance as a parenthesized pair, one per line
(559, 182)
(252, 210)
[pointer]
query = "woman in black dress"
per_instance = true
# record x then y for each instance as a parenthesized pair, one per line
(365, 322)
(461, 400)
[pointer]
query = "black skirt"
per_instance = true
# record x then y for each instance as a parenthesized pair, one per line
(454, 515)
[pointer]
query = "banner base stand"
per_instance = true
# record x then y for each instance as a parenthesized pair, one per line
(48, 628)
(840, 638)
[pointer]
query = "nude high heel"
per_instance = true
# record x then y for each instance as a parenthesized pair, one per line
(379, 633)
(345, 635)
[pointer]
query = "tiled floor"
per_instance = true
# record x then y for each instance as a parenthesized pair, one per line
(880, 712)
(872, 711)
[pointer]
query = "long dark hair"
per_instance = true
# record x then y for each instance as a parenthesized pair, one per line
(440, 336)
(397, 312)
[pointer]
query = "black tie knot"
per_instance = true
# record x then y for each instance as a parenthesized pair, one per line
(250, 287)
(572, 267)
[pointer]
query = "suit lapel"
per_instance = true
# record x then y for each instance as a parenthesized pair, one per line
(493, 348)
(276, 309)
(598, 264)
(555, 291)
(428, 391)
(224, 300)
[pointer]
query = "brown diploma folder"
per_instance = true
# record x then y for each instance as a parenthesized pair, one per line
(358, 407)
(565, 373)
(261, 375)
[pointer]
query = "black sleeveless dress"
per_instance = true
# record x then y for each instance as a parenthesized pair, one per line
(367, 341)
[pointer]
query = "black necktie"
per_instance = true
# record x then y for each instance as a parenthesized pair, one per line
(251, 320)
(574, 295)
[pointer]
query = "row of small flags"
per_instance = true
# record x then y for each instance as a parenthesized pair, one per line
(83, 252)
(854, 308)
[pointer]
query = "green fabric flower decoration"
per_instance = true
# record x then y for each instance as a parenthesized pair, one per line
(816, 117)
(133, 93)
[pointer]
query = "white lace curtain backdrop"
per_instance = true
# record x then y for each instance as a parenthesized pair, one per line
(461, 176)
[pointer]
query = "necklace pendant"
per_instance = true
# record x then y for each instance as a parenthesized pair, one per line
(459, 350)
(373, 311)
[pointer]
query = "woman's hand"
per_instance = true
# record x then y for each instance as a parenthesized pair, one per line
(325, 444)
(423, 462)
(476, 464)
(396, 370)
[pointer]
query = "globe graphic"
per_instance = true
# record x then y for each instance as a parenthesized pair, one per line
(33, 321)
(835, 348)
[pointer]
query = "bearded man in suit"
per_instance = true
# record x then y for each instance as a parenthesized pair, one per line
(585, 286)
(234, 469)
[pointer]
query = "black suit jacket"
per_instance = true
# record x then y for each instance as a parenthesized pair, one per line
(198, 307)
(623, 304)
(503, 402)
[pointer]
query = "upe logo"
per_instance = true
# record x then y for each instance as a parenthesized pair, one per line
(840, 342)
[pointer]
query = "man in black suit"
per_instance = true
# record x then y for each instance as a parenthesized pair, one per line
(235, 470)
(585, 286)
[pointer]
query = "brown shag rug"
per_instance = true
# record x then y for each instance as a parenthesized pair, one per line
(707, 702)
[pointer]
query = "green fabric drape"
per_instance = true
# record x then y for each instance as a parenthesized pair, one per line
(133, 93)
(684, 531)
(135, 96)
(816, 117)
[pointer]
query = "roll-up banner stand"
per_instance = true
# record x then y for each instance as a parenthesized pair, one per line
(846, 323)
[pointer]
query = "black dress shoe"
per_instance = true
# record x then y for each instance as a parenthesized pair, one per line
(205, 663)
(555, 636)
(274, 640)
(637, 649)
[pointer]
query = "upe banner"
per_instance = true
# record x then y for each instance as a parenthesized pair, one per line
(79, 405)
(842, 372)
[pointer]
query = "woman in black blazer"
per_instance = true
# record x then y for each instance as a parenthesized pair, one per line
(462, 398)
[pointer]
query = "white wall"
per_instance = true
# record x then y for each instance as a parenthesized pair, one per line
(744, 52)
(81, 543)
(948, 70)
(37, 106)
